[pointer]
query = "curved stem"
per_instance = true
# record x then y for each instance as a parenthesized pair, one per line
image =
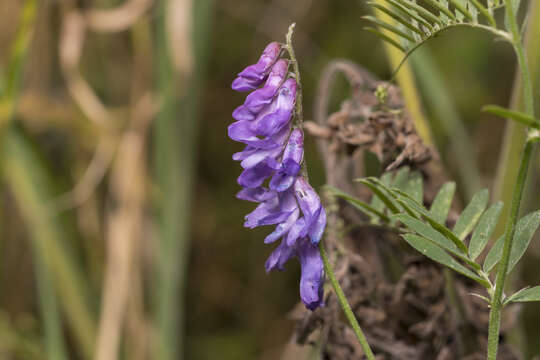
(345, 304)
(496, 301)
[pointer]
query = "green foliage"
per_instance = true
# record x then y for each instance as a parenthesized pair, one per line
(471, 214)
(367, 209)
(429, 233)
(525, 229)
(442, 202)
(399, 199)
(494, 255)
(437, 254)
(483, 231)
(415, 23)
(517, 116)
(524, 295)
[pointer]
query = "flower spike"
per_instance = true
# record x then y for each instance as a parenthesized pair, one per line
(271, 162)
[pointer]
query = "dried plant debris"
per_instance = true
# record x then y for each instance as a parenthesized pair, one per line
(368, 122)
(403, 301)
(412, 319)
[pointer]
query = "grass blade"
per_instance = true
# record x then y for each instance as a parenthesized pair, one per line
(30, 182)
(175, 131)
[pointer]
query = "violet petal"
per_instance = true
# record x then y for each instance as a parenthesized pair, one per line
(312, 277)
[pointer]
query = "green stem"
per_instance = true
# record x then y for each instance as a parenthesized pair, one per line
(296, 69)
(298, 105)
(496, 301)
(345, 305)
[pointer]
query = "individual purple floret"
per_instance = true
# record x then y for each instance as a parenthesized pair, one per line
(270, 120)
(312, 270)
(254, 75)
(271, 162)
(278, 113)
(312, 209)
(263, 96)
(290, 164)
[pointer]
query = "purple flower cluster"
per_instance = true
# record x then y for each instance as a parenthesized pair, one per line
(271, 163)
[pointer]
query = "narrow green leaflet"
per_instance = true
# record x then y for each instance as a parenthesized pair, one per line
(525, 295)
(376, 202)
(442, 203)
(385, 37)
(437, 254)
(483, 231)
(428, 232)
(461, 10)
(414, 22)
(384, 197)
(406, 200)
(400, 180)
(414, 187)
(512, 115)
(412, 207)
(525, 229)
(494, 255)
(359, 204)
(471, 214)
(390, 27)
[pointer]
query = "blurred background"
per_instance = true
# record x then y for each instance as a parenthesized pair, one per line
(120, 235)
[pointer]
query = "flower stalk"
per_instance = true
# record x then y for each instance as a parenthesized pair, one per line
(342, 299)
(299, 111)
